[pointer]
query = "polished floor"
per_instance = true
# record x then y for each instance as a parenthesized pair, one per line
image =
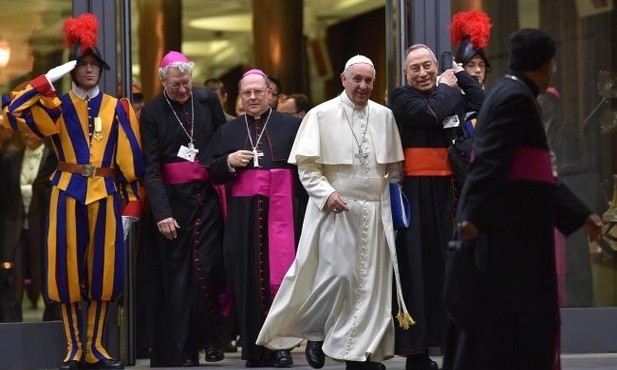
(603, 361)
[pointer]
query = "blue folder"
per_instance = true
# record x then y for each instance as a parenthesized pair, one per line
(401, 211)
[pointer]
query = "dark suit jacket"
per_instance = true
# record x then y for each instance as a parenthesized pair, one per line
(11, 204)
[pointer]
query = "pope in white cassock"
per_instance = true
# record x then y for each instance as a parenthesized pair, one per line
(338, 292)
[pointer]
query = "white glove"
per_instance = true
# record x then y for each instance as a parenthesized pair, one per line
(127, 221)
(56, 73)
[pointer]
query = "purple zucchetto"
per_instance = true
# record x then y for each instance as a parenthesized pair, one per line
(173, 57)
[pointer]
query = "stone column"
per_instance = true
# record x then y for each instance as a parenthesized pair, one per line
(279, 44)
(160, 30)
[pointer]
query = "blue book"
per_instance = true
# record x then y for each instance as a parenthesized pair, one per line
(401, 211)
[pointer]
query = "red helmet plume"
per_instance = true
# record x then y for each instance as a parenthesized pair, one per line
(474, 25)
(81, 30)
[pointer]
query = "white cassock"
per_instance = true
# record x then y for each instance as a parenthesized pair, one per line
(339, 288)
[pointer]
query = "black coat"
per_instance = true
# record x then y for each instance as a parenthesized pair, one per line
(516, 216)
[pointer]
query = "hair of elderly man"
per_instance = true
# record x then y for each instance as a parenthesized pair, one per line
(183, 67)
(420, 46)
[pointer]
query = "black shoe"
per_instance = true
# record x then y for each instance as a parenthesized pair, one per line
(314, 355)
(420, 362)
(70, 365)
(192, 361)
(214, 354)
(282, 358)
(107, 363)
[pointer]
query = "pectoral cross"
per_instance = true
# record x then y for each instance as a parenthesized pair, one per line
(256, 155)
(362, 157)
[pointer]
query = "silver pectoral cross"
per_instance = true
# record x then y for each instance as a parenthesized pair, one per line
(362, 157)
(256, 155)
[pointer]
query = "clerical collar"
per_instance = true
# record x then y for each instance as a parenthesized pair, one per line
(525, 81)
(266, 113)
(83, 94)
(345, 99)
(38, 151)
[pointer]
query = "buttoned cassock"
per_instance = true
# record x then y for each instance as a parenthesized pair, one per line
(339, 288)
(85, 240)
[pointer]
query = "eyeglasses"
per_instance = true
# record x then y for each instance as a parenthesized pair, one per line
(177, 84)
(248, 93)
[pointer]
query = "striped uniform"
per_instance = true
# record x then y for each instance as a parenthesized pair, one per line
(85, 246)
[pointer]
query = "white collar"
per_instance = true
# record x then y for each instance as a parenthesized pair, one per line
(36, 151)
(350, 104)
(83, 94)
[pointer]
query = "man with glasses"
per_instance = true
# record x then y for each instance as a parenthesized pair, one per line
(428, 115)
(265, 210)
(96, 140)
(186, 218)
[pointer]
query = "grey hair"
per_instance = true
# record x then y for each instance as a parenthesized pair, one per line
(185, 67)
(420, 46)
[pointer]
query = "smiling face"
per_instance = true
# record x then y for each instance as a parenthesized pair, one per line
(358, 82)
(178, 85)
(421, 69)
(87, 72)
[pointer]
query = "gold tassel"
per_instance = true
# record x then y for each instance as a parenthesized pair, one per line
(404, 320)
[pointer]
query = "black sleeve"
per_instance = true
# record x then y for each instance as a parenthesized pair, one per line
(570, 211)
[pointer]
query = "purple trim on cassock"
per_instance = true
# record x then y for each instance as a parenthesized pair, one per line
(277, 185)
(185, 172)
(532, 164)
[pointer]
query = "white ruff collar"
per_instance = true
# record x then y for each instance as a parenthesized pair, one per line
(83, 94)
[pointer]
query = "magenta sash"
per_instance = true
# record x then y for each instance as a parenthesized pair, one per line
(533, 164)
(277, 185)
(183, 172)
(176, 173)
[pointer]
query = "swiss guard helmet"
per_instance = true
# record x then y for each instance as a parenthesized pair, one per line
(470, 32)
(80, 36)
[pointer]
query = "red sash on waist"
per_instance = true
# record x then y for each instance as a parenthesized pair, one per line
(427, 162)
(177, 173)
(533, 164)
(276, 184)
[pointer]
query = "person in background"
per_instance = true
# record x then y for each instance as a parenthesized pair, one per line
(23, 210)
(277, 92)
(513, 200)
(295, 104)
(239, 107)
(96, 140)
(265, 210)
(187, 217)
(470, 31)
(218, 87)
(428, 115)
(338, 292)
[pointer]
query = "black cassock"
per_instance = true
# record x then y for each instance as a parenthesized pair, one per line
(513, 198)
(246, 242)
(187, 274)
(421, 248)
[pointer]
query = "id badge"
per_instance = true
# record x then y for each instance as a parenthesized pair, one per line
(187, 153)
(451, 121)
